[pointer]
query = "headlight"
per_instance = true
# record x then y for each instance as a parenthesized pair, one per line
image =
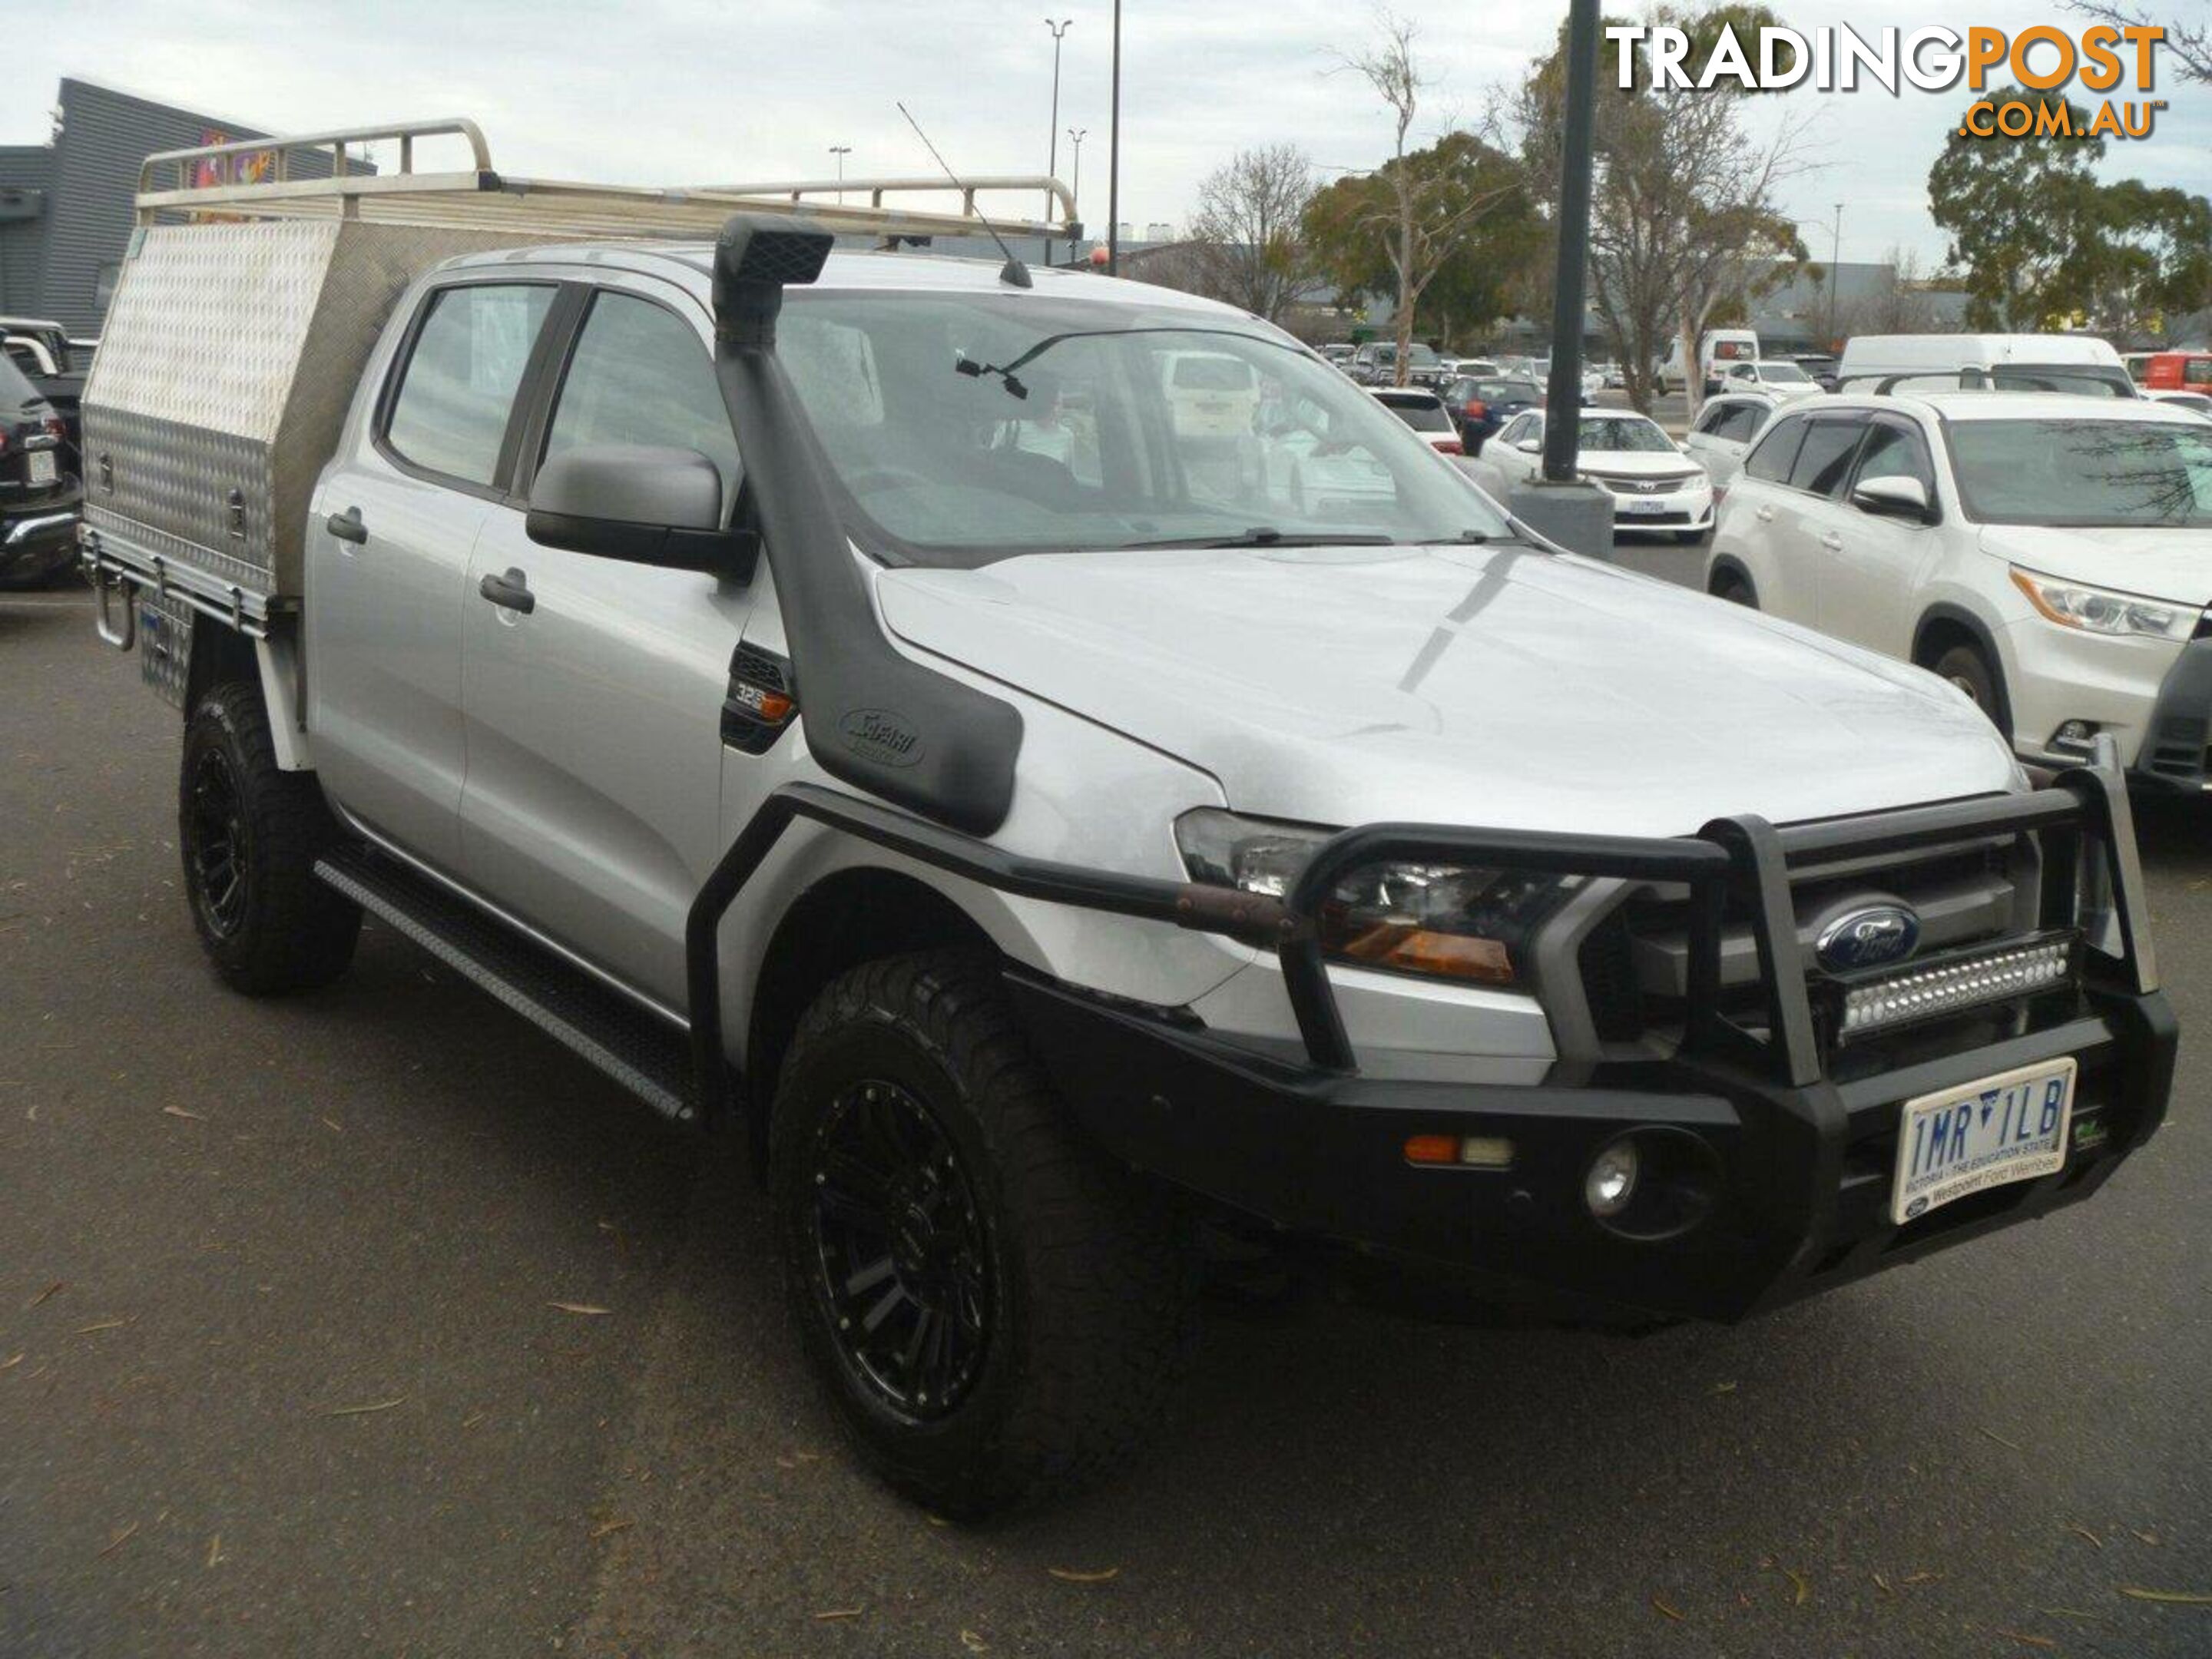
(2099, 610)
(1461, 922)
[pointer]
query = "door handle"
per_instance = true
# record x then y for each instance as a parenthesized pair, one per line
(1832, 541)
(347, 526)
(1765, 515)
(510, 592)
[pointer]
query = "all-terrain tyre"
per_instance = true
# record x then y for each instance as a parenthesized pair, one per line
(999, 1312)
(250, 835)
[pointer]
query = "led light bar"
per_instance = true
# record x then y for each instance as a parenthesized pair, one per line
(1866, 1004)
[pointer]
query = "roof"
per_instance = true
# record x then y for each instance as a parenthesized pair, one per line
(906, 271)
(1993, 405)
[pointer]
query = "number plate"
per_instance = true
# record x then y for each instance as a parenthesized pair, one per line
(1634, 505)
(2004, 1129)
(42, 466)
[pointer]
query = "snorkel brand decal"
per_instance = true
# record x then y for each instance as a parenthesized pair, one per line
(879, 735)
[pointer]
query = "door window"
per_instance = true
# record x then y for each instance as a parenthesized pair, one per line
(1713, 419)
(640, 374)
(1824, 461)
(1892, 451)
(456, 389)
(1771, 461)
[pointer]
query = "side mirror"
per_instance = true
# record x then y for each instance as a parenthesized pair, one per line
(1530, 446)
(641, 504)
(1893, 498)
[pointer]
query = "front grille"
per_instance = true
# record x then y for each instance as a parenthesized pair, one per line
(1621, 483)
(1633, 964)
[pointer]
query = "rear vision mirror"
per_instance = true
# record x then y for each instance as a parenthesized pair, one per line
(641, 504)
(1893, 498)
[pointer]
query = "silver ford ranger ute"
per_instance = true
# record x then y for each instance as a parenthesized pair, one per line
(1052, 804)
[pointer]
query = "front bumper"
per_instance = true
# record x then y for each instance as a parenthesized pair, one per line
(1805, 1171)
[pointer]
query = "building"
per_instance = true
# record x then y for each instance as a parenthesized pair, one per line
(65, 205)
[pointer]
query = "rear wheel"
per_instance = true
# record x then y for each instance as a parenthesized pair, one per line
(250, 833)
(999, 1312)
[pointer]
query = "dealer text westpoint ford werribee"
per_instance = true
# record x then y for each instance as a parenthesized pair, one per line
(1841, 59)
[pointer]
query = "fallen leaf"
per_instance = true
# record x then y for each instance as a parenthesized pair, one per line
(2080, 1531)
(974, 1642)
(362, 1411)
(1076, 1576)
(50, 1290)
(607, 1526)
(10, 1363)
(2074, 1612)
(939, 1521)
(1797, 1582)
(1922, 1578)
(2172, 1598)
(472, 1420)
(179, 1111)
(828, 1613)
(1882, 1584)
(2025, 1641)
(101, 1325)
(1724, 1387)
(334, 1125)
(2150, 1538)
(2000, 1440)
(117, 1541)
(215, 1549)
(583, 1308)
(1674, 1613)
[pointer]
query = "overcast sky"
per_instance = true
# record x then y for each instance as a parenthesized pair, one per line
(695, 91)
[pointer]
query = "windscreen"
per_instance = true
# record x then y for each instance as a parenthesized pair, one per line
(2085, 473)
(1508, 391)
(1618, 434)
(1424, 415)
(1784, 375)
(967, 427)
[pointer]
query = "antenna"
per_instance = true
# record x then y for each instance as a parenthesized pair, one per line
(1013, 273)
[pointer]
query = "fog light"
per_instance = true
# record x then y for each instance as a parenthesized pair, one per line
(2077, 735)
(1610, 1182)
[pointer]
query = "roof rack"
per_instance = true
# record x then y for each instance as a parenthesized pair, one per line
(262, 178)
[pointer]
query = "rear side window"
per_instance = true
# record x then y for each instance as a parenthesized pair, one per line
(641, 375)
(1714, 419)
(1824, 461)
(1777, 452)
(1741, 423)
(450, 414)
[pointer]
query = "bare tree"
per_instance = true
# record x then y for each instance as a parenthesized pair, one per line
(1246, 228)
(1425, 213)
(2189, 43)
(1905, 304)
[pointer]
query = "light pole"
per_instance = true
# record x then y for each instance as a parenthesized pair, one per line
(1052, 165)
(1114, 159)
(1835, 252)
(1075, 189)
(841, 151)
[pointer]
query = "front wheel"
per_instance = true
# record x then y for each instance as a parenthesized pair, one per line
(250, 833)
(1967, 669)
(999, 1312)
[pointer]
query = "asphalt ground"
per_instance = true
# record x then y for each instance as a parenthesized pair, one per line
(285, 1368)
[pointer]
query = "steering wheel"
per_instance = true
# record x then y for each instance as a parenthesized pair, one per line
(887, 478)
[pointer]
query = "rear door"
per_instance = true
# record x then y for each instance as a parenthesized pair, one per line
(385, 603)
(1875, 564)
(594, 782)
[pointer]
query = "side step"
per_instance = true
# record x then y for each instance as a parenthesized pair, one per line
(638, 1050)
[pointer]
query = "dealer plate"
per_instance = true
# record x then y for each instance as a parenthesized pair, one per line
(2004, 1129)
(42, 466)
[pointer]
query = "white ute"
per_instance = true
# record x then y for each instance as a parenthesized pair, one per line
(1071, 782)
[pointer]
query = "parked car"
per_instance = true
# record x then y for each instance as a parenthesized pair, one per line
(2049, 557)
(1339, 353)
(1723, 430)
(55, 366)
(2172, 371)
(1654, 485)
(1616, 377)
(1044, 862)
(1424, 412)
(2077, 363)
(1775, 376)
(1460, 368)
(1820, 367)
(1376, 364)
(1717, 351)
(1592, 381)
(38, 493)
(2196, 402)
(1482, 404)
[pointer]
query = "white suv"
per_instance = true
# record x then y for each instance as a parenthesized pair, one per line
(1723, 433)
(2051, 559)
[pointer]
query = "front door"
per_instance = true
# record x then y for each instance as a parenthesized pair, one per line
(593, 801)
(1870, 581)
(389, 536)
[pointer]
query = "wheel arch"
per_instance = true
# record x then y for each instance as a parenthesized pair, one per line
(219, 653)
(858, 914)
(1944, 625)
(1726, 565)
